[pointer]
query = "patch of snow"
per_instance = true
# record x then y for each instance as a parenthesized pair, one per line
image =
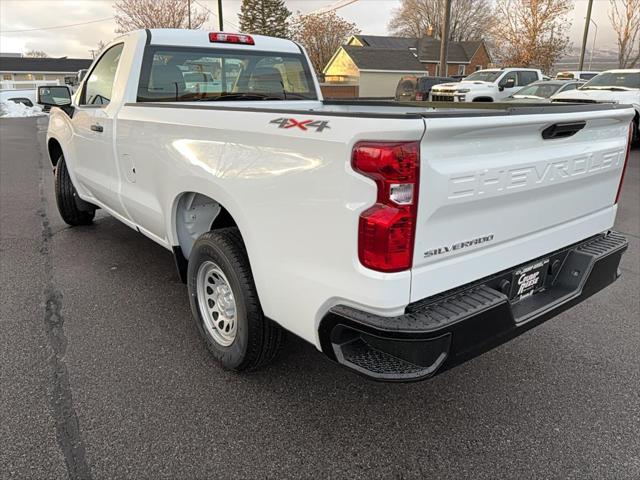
(14, 110)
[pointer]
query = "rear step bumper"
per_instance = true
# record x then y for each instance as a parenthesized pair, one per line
(441, 332)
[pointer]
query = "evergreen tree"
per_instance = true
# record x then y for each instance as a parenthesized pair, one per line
(265, 17)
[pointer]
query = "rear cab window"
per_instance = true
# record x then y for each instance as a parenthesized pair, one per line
(184, 74)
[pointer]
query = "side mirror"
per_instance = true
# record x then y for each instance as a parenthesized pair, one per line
(54, 96)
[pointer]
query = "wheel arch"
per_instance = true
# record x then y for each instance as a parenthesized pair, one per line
(195, 213)
(54, 148)
(483, 99)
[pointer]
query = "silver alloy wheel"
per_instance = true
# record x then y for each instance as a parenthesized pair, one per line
(217, 303)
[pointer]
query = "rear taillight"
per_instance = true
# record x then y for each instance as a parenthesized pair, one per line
(626, 160)
(219, 37)
(386, 230)
(419, 97)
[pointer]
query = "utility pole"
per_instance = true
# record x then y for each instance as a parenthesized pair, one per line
(586, 34)
(444, 38)
(593, 47)
(220, 15)
(189, 8)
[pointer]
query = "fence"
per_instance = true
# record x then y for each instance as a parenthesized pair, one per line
(26, 84)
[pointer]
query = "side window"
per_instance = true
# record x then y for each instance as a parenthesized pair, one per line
(525, 78)
(98, 87)
(571, 86)
(508, 79)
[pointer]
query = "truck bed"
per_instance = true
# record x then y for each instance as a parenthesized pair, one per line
(308, 175)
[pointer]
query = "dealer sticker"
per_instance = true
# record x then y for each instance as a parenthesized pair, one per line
(528, 280)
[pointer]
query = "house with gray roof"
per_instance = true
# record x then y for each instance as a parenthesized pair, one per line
(375, 64)
(27, 69)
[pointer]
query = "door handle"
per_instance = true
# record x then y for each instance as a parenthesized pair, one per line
(563, 130)
(97, 128)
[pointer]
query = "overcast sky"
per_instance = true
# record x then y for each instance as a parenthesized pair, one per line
(371, 16)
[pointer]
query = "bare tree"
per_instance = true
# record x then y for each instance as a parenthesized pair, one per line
(470, 19)
(99, 47)
(135, 14)
(625, 18)
(36, 54)
(321, 34)
(531, 33)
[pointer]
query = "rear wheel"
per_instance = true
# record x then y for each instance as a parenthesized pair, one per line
(225, 303)
(67, 198)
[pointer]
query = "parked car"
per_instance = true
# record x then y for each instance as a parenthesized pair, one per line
(543, 91)
(616, 86)
(25, 96)
(399, 240)
(412, 88)
(490, 85)
(576, 75)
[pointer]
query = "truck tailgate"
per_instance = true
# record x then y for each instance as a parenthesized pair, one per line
(495, 194)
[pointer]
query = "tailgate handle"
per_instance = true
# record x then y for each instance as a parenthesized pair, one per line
(562, 130)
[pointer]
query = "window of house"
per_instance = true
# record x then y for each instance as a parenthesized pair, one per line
(7, 76)
(38, 77)
(437, 70)
(478, 67)
(461, 69)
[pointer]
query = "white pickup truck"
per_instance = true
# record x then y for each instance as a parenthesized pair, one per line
(615, 86)
(400, 240)
(490, 85)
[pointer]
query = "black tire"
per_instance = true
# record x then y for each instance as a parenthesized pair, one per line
(258, 339)
(66, 196)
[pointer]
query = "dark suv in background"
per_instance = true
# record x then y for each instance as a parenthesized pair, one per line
(412, 88)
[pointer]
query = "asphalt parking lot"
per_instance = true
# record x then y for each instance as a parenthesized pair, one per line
(103, 375)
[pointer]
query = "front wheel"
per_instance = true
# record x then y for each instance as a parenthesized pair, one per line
(67, 198)
(225, 303)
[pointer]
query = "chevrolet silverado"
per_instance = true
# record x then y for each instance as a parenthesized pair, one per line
(401, 239)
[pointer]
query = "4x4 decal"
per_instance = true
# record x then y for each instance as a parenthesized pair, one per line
(301, 124)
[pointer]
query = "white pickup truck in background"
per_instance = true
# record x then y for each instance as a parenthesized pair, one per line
(490, 85)
(400, 240)
(615, 86)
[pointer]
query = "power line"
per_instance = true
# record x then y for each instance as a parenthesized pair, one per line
(215, 15)
(57, 26)
(333, 7)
